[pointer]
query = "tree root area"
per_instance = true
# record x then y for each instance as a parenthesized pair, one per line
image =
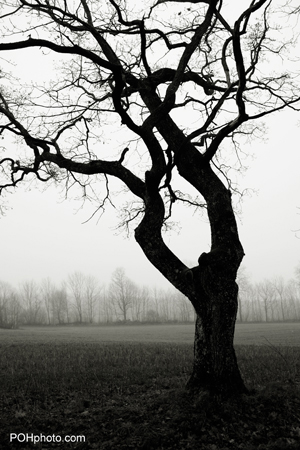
(154, 417)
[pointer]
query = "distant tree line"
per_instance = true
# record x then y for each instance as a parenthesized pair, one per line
(82, 299)
(272, 300)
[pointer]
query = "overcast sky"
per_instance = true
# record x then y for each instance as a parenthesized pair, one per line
(42, 236)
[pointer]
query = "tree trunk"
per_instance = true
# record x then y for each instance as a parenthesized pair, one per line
(215, 368)
(210, 286)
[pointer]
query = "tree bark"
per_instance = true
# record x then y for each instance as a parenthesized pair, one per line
(215, 367)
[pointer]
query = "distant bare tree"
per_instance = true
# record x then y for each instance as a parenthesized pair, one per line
(266, 293)
(280, 293)
(47, 289)
(4, 300)
(14, 310)
(31, 301)
(76, 283)
(156, 297)
(143, 300)
(60, 305)
(293, 299)
(139, 300)
(166, 306)
(106, 307)
(257, 312)
(9, 306)
(152, 316)
(92, 292)
(122, 292)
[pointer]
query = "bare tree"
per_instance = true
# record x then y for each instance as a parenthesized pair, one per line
(76, 283)
(280, 290)
(92, 292)
(152, 316)
(145, 300)
(10, 309)
(293, 299)
(174, 87)
(140, 303)
(60, 305)
(47, 290)
(122, 292)
(31, 301)
(254, 304)
(14, 310)
(4, 300)
(266, 293)
(156, 301)
(106, 309)
(166, 306)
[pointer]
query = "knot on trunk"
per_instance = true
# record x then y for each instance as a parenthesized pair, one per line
(216, 259)
(187, 275)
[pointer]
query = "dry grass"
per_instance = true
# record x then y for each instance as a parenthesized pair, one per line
(125, 395)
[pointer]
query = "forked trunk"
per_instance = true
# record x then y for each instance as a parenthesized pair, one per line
(215, 368)
(210, 285)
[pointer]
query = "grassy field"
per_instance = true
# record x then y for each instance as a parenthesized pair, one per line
(122, 387)
(282, 334)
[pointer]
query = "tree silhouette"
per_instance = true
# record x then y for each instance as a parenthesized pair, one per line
(172, 82)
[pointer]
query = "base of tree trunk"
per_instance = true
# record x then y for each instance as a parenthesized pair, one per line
(222, 388)
(215, 368)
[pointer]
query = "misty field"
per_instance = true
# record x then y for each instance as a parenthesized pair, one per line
(286, 334)
(123, 387)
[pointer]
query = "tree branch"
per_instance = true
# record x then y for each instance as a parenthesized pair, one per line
(71, 50)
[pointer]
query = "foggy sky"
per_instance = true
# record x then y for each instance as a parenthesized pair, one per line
(44, 237)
